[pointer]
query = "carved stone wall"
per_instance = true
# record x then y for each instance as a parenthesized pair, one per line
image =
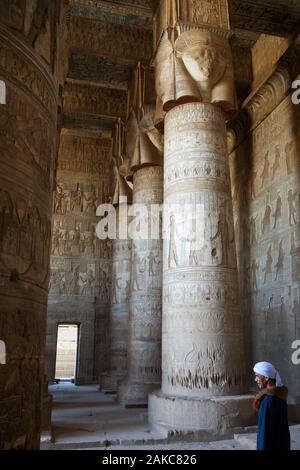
(265, 171)
(79, 289)
(28, 145)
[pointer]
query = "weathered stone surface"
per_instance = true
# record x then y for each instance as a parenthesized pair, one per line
(119, 314)
(265, 177)
(135, 13)
(80, 262)
(144, 348)
(179, 414)
(118, 41)
(100, 69)
(266, 16)
(95, 100)
(202, 331)
(27, 142)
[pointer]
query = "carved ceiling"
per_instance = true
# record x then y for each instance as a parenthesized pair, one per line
(109, 37)
(105, 70)
(279, 17)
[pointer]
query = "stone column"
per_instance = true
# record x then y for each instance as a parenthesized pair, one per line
(203, 366)
(28, 145)
(144, 349)
(120, 288)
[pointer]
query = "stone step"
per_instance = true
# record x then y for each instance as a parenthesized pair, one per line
(248, 440)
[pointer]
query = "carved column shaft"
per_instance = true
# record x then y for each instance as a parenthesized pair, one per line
(27, 143)
(202, 345)
(144, 349)
(119, 313)
(202, 332)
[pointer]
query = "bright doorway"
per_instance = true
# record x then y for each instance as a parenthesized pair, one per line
(66, 352)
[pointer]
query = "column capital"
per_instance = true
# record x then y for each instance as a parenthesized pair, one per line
(193, 58)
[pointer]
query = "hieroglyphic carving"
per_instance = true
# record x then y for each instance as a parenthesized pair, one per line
(273, 253)
(24, 239)
(17, 67)
(265, 16)
(198, 295)
(99, 69)
(32, 146)
(119, 314)
(131, 13)
(144, 364)
(80, 262)
(211, 15)
(83, 154)
(111, 40)
(28, 142)
(95, 100)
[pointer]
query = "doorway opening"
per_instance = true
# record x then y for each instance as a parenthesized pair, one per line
(66, 352)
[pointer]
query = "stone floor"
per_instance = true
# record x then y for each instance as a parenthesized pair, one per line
(84, 418)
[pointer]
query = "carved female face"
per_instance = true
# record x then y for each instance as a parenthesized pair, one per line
(203, 63)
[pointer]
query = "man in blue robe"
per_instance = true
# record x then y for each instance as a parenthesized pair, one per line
(271, 403)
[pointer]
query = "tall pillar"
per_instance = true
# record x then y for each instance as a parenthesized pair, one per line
(120, 288)
(144, 348)
(203, 366)
(28, 124)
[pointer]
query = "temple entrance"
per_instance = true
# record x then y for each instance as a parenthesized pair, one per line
(66, 356)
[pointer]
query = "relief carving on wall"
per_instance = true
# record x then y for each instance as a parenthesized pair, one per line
(269, 257)
(24, 239)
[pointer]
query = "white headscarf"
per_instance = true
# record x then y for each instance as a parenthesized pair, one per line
(268, 370)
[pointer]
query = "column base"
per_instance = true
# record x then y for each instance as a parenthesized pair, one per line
(134, 394)
(207, 417)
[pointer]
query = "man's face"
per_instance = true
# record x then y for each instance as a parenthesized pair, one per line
(261, 380)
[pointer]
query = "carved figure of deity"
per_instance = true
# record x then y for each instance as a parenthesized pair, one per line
(172, 257)
(278, 210)
(223, 234)
(253, 239)
(289, 157)
(77, 200)
(276, 164)
(56, 236)
(265, 172)
(88, 283)
(153, 259)
(254, 268)
(59, 197)
(279, 264)
(268, 266)
(292, 209)
(91, 201)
